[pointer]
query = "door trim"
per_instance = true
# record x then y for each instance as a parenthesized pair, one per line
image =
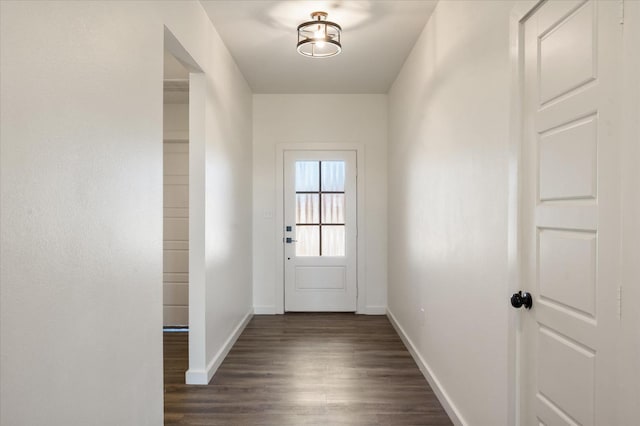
(520, 12)
(359, 149)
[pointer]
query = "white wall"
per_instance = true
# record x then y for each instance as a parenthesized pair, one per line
(81, 214)
(176, 121)
(291, 119)
(448, 147)
(175, 271)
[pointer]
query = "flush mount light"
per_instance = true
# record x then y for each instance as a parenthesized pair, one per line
(319, 38)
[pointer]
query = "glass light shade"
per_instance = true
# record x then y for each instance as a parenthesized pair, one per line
(319, 38)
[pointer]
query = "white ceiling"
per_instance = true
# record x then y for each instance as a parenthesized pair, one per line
(377, 36)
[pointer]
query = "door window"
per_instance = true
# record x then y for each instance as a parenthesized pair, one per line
(320, 208)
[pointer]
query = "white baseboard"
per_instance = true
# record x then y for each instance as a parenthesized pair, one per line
(264, 310)
(196, 377)
(368, 310)
(375, 310)
(438, 390)
(203, 377)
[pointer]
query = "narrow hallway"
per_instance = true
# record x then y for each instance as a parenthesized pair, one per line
(293, 369)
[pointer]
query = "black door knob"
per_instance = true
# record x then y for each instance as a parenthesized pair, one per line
(521, 299)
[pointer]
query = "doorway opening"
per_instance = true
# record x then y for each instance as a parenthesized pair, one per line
(183, 206)
(175, 214)
(175, 202)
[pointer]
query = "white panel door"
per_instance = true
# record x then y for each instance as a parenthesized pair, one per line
(320, 231)
(176, 234)
(570, 214)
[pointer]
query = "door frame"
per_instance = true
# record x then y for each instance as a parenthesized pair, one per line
(359, 149)
(520, 12)
(197, 139)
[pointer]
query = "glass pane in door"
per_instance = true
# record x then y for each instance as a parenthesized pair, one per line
(308, 240)
(320, 208)
(307, 208)
(333, 243)
(307, 176)
(333, 176)
(333, 208)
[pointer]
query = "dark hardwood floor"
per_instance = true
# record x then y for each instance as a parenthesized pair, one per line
(305, 369)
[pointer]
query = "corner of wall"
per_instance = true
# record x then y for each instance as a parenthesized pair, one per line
(203, 377)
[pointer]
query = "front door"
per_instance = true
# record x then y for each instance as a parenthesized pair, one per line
(319, 232)
(570, 213)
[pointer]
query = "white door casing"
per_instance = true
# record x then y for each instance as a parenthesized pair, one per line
(320, 230)
(569, 213)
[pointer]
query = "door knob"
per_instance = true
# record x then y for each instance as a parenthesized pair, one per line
(520, 299)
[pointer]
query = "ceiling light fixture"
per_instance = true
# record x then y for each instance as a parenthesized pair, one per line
(319, 38)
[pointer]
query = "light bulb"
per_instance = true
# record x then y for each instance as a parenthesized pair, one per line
(319, 36)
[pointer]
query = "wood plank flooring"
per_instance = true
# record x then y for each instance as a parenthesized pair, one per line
(305, 369)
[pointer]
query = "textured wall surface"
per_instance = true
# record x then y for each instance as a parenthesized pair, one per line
(81, 214)
(448, 152)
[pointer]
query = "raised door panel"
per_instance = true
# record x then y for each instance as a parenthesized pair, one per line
(568, 166)
(321, 278)
(566, 377)
(567, 53)
(567, 269)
